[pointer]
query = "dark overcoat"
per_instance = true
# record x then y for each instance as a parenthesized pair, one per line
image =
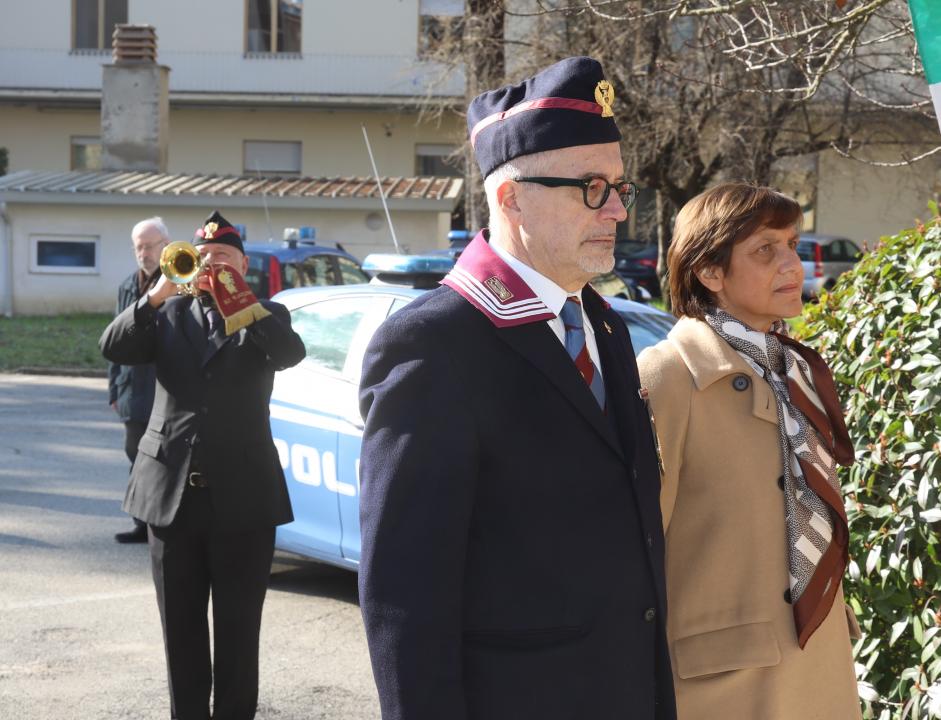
(512, 560)
(212, 395)
(131, 387)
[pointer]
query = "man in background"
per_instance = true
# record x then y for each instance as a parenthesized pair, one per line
(131, 387)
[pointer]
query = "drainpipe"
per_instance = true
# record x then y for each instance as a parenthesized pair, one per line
(6, 262)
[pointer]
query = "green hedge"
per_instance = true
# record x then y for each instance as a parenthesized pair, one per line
(880, 330)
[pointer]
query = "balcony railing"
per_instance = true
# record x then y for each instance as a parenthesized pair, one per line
(235, 73)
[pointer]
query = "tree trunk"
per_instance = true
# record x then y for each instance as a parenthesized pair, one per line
(664, 217)
(484, 68)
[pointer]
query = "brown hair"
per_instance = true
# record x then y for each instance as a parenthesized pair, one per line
(709, 226)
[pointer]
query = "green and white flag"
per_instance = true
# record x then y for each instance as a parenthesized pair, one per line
(926, 18)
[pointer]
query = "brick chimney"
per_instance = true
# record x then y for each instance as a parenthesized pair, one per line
(135, 105)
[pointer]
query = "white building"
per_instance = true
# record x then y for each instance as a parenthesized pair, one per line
(256, 89)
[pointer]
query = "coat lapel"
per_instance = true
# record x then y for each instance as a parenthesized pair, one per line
(540, 347)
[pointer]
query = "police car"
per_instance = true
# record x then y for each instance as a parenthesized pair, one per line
(314, 407)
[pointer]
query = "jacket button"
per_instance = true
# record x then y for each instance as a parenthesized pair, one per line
(649, 540)
(787, 596)
(650, 614)
(204, 410)
(208, 375)
(741, 382)
(781, 482)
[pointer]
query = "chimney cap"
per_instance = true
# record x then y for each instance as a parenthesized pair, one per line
(134, 44)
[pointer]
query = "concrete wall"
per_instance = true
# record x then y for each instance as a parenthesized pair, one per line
(864, 202)
(211, 139)
(42, 293)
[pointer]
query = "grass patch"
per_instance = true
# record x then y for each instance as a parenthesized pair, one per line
(57, 341)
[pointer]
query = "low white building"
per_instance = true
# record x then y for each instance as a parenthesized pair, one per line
(65, 237)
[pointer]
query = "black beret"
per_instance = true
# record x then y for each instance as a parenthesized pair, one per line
(566, 104)
(217, 229)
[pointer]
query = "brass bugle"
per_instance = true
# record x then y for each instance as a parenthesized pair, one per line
(181, 262)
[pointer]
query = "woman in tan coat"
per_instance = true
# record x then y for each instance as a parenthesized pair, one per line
(750, 433)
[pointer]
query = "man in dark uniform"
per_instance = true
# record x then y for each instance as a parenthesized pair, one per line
(131, 387)
(207, 479)
(512, 561)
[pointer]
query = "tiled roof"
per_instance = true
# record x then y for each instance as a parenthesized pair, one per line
(169, 185)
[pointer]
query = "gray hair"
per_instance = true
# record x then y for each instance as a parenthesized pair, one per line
(532, 165)
(153, 222)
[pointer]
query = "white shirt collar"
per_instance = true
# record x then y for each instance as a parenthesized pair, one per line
(551, 294)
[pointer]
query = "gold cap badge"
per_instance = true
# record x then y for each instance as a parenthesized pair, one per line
(604, 96)
(209, 230)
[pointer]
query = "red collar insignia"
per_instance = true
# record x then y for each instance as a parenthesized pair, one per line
(482, 278)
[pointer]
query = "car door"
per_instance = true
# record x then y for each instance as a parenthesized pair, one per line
(315, 413)
(349, 444)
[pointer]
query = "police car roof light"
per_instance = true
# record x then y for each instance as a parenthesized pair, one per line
(390, 263)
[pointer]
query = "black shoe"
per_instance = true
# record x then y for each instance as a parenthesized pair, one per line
(137, 535)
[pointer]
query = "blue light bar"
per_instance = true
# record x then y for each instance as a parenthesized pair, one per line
(388, 263)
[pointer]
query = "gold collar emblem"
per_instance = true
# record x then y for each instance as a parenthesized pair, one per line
(209, 230)
(604, 96)
(496, 286)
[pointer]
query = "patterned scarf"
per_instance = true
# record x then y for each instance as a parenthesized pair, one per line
(813, 439)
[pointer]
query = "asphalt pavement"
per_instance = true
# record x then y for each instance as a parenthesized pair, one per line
(79, 629)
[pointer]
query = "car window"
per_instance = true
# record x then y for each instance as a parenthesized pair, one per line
(852, 252)
(612, 285)
(350, 274)
(805, 250)
(255, 276)
(398, 304)
(647, 329)
(328, 329)
(314, 271)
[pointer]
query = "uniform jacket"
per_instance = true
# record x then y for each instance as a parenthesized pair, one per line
(730, 627)
(212, 398)
(131, 386)
(512, 545)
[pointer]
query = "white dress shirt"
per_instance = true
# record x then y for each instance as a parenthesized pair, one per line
(554, 298)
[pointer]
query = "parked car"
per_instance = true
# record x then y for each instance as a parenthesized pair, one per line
(273, 267)
(636, 262)
(315, 416)
(825, 258)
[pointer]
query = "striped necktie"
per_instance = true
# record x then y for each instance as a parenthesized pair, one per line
(577, 349)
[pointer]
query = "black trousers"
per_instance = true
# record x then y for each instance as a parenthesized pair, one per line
(190, 561)
(133, 432)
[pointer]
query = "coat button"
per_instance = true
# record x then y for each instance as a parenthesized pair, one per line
(649, 540)
(781, 482)
(208, 375)
(204, 410)
(741, 382)
(787, 596)
(650, 614)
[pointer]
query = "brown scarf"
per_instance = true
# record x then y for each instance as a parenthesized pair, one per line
(813, 435)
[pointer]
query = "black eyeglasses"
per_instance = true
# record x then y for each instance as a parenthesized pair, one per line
(595, 190)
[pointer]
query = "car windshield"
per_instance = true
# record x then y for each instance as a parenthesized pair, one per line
(647, 329)
(805, 250)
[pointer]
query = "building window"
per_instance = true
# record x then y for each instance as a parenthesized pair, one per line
(440, 22)
(93, 22)
(85, 153)
(264, 157)
(438, 160)
(273, 26)
(64, 254)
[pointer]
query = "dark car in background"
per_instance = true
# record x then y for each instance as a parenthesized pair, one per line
(636, 262)
(273, 267)
(825, 258)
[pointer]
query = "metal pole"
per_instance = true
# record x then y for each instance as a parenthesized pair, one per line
(382, 195)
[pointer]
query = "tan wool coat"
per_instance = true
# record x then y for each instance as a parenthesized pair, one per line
(731, 630)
